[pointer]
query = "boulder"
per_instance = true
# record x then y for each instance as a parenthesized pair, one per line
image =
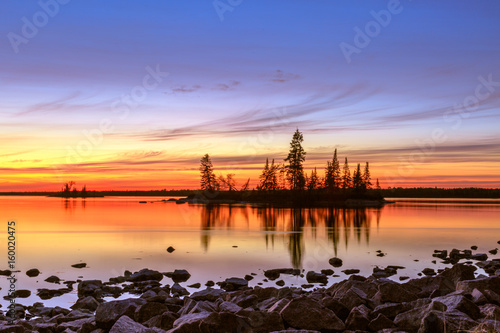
(33, 272)
(23, 293)
(53, 279)
(380, 322)
(234, 283)
(392, 292)
(164, 321)
(90, 288)
(146, 275)
(411, 320)
(147, 311)
(313, 277)
(358, 318)
(460, 303)
(307, 313)
(180, 275)
(491, 283)
(351, 271)
(108, 313)
(126, 325)
(335, 262)
(79, 265)
(86, 303)
(208, 294)
(170, 249)
(179, 290)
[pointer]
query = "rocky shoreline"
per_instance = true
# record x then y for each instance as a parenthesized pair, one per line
(452, 300)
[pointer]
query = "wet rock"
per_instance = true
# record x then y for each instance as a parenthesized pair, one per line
(474, 247)
(441, 254)
(273, 274)
(429, 272)
(350, 271)
(90, 288)
(195, 285)
(248, 277)
(234, 283)
(179, 290)
(208, 294)
(180, 275)
(459, 272)
(23, 293)
(392, 292)
(494, 251)
(263, 322)
(127, 325)
(384, 272)
(479, 256)
(280, 283)
(484, 284)
(306, 313)
(314, 277)
(108, 313)
(412, 319)
(380, 322)
(335, 262)
(170, 249)
(147, 311)
(404, 278)
(146, 275)
(32, 272)
(79, 265)
(44, 293)
(460, 303)
(86, 303)
(210, 283)
(5, 272)
(53, 279)
(327, 272)
(358, 318)
(164, 321)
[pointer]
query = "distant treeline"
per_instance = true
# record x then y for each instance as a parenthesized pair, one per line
(434, 192)
(89, 194)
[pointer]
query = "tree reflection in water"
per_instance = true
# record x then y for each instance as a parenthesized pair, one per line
(289, 223)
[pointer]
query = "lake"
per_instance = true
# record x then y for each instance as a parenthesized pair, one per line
(115, 234)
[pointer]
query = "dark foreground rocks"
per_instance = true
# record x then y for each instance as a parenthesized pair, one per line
(451, 301)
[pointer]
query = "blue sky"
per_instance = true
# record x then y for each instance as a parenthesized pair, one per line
(230, 79)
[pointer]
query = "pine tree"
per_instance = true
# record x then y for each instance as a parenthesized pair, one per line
(313, 181)
(378, 185)
(332, 173)
(367, 177)
(263, 177)
(245, 186)
(269, 177)
(357, 180)
(346, 176)
(296, 157)
(208, 181)
(227, 182)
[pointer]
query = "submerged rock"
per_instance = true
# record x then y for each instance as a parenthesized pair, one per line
(180, 275)
(33, 272)
(335, 262)
(79, 265)
(170, 249)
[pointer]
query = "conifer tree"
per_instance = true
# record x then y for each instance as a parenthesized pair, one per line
(208, 180)
(346, 176)
(296, 157)
(357, 180)
(313, 181)
(367, 177)
(332, 173)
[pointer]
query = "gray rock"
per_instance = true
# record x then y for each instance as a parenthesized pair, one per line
(358, 318)
(234, 283)
(165, 321)
(90, 288)
(126, 325)
(108, 313)
(147, 311)
(380, 322)
(146, 275)
(306, 313)
(460, 303)
(208, 294)
(393, 292)
(53, 279)
(86, 303)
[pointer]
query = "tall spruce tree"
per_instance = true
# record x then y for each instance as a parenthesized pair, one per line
(346, 176)
(296, 157)
(332, 173)
(208, 180)
(367, 177)
(313, 180)
(357, 180)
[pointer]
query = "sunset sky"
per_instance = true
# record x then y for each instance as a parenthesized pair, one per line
(131, 94)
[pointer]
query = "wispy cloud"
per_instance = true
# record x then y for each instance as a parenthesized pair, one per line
(282, 77)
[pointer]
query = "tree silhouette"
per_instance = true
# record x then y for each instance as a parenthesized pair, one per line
(313, 181)
(357, 180)
(245, 186)
(269, 178)
(228, 182)
(367, 177)
(208, 181)
(332, 173)
(346, 176)
(296, 157)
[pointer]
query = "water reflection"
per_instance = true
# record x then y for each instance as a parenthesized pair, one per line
(339, 224)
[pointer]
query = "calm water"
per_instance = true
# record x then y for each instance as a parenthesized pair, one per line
(116, 234)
